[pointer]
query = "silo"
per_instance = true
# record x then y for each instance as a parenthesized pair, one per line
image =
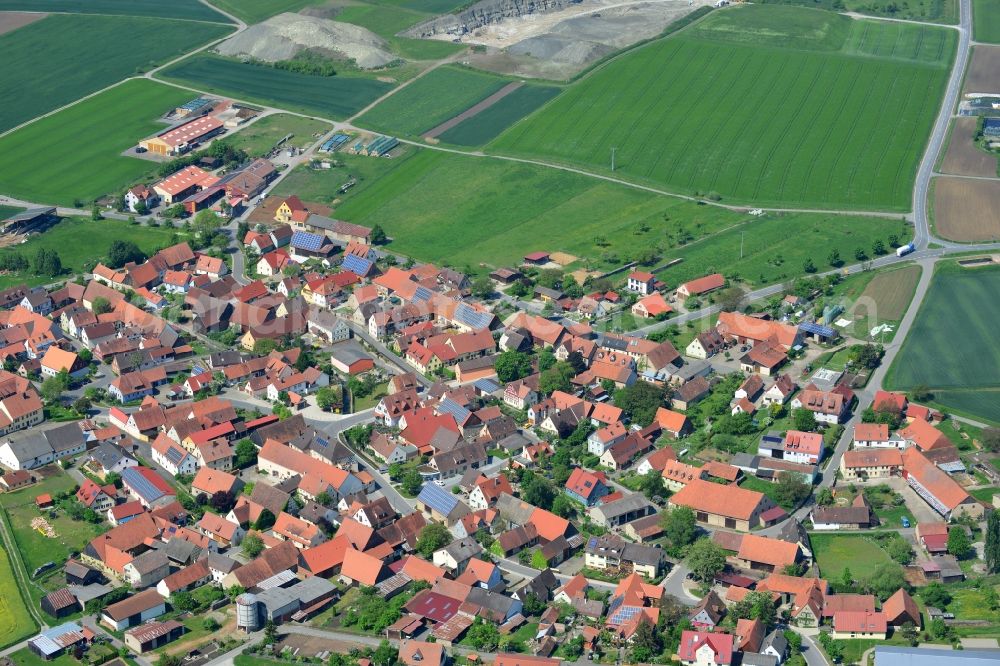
(247, 617)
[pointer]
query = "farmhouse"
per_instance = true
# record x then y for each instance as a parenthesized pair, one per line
(827, 406)
(642, 282)
(744, 329)
(798, 447)
(871, 463)
(651, 306)
(178, 140)
(181, 184)
(729, 506)
(702, 285)
(937, 488)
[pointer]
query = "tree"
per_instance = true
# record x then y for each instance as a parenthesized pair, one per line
(538, 560)
(519, 289)
(264, 346)
(52, 389)
(210, 624)
(936, 595)
(82, 405)
(791, 490)
(538, 491)
(756, 606)
(878, 248)
(484, 636)
(824, 497)
(265, 520)
(378, 236)
(847, 578)
(222, 501)
(958, 542)
(640, 401)
(991, 439)
(680, 528)
(482, 287)
(512, 365)
(900, 550)
(885, 580)
(991, 550)
(140, 207)
(122, 252)
(705, 559)
(646, 643)
(412, 482)
(867, 355)
(808, 266)
(920, 393)
(909, 632)
(546, 359)
(433, 536)
(95, 213)
(324, 499)
(651, 484)
(47, 262)
(834, 258)
(245, 454)
(183, 601)
(731, 299)
(100, 305)
(563, 506)
(556, 378)
(804, 420)
(327, 397)
(270, 632)
(252, 545)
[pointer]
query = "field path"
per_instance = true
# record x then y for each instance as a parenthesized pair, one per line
(473, 110)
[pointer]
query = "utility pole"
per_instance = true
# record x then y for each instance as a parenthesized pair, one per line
(613, 149)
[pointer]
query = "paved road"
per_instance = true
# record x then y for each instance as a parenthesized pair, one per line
(940, 130)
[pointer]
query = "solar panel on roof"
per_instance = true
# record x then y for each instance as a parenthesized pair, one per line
(141, 484)
(437, 498)
(817, 329)
(421, 293)
(625, 614)
(357, 265)
(174, 455)
(472, 317)
(307, 241)
(486, 385)
(449, 406)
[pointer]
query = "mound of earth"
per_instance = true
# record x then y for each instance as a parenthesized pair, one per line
(281, 37)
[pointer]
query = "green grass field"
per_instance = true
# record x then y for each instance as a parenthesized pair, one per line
(423, 200)
(489, 123)
(15, 621)
(179, 9)
(430, 100)
(387, 20)
(255, 11)
(943, 11)
(7, 211)
(760, 104)
(81, 243)
(261, 136)
(834, 552)
(75, 154)
(986, 21)
(334, 97)
(961, 305)
(90, 55)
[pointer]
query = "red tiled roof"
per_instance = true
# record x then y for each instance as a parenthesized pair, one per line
(730, 501)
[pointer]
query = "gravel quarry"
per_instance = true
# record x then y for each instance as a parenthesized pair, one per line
(552, 39)
(283, 36)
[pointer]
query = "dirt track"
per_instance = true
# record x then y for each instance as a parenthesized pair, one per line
(473, 110)
(10, 21)
(966, 209)
(984, 70)
(963, 157)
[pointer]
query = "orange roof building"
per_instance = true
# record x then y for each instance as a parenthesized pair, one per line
(766, 554)
(729, 506)
(935, 487)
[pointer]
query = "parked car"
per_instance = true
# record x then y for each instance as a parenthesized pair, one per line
(906, 521)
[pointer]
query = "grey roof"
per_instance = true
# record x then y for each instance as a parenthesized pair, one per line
(542, 585)
(181, 550)
(108, 455)
(467, 454)
(640, 554)
(303, 593)
(777, 640)
(29, 446)
(463, 549)
(269, 497)
(514, 442)
(493, 601)
(30, 215)
(150, 561)
(514, 510)
(691, 369)
(906, 656)
(627, 504)
(754, 659)
(349, 351)
(223, 563)
(745, 461)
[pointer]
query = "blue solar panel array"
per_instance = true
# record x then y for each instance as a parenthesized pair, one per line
(303, 240)
(175, 455)
(141, 485)
(357, 265)
(437, 498)
(421, 293)
(487, 385)
(812, 328)
(449, 406)
(471, 317)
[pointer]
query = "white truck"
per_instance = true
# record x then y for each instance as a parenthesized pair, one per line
(905, 249)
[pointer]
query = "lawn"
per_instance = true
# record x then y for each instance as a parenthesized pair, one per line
(334, 97)
(25, 657)
(463, 210)
(986, 21)
(261, 136)
(90, 54)
(960, 305)
(430, 100)
(386, 21)
(834, 552)
(75, 154)
(7, 211)
(15, 621)
(760, 104)
(81, 243)
(967, 604)
(38, 549)
(178, 9)
(255, 11)
(985, 494)
(942, 11)
(489, 123)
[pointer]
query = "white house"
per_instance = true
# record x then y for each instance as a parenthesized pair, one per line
(173, 457)
(603, 439)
